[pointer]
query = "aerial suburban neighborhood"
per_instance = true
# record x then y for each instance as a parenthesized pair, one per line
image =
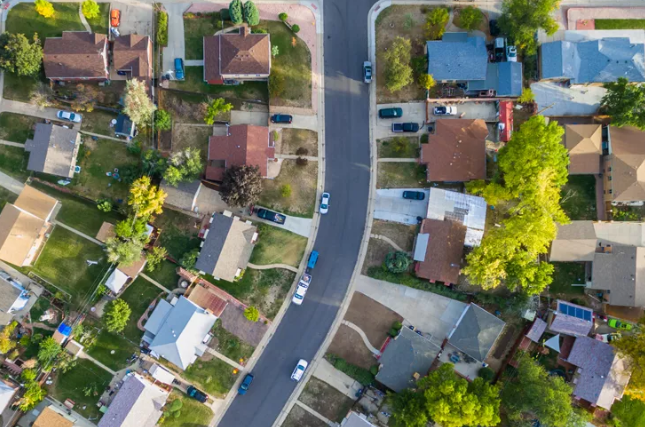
(361, 213)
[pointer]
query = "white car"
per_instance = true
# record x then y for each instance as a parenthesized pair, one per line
(324, 203)
(367, 72)
(69, 116)
(301, 290)
(299, 370)
(511, 53)
(445, 111)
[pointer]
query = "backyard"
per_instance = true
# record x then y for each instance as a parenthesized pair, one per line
(13, 162)
(566, 274)
(579, 197)
(184, 136)
(193, 413)
(178, 232)
(395, 175)
(292, 140)
(301, 180)
(213, 376)
(277, 246)
(195, 28)
(194, 82)
(139, 295)
(17, 127)
(98, 121)
(111, 349)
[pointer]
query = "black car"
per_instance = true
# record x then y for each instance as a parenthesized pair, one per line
(414, 195)
(271, 216)
(281, 118)
(494, 28)
(196, 394)
(405, 127)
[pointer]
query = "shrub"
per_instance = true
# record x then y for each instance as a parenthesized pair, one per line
(259, 31)
(470, 18)
(252, 314)
(397, 325)
(283, 17)
(436, 23)
(398, 73)
(424, 138)
(275, 50)
(406, 279)
(374, 370)
(44, 8)
(398, 262)
(235, 12)
(419, 64)
(361, 375)
(487, 374)
(295, 28)
(276, 135)
(426, 81)
(302, 151)
(189, 15)
(91, 9)
(104, 205)
(393, 332)
(527, 96)
(162, 28)
(251, 13)
(225, 15)
(301, 161)
(163, 120)
(286, 190)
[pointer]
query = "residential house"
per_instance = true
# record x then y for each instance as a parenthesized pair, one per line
(456, 151)
(570, 319)
(138, 403)
(53, 150)
(76, 56)
(242, 145)
(123, 275)
(50, 417)
(624, 167)
(13, 297)
(23, 226)
(355, 419)
(601, 375)
(227, 247)
(237, 56)
(584, 144)
(463, 208)
(176, 330)
(132, 57)
(474, 334)
(438, 250)
(192, 196)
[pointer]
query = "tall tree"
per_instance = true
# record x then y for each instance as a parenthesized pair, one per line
(146, 199)
(125, 252)
(185, 165)
(398, 73)
(155, 256)
(116, 316)
(633, 346)
(235, 12)
(18, 55)
(522, 18)
(251, 13)
(44, 8)
(241, 185)
(48, 351)
(215, 108)
(32, 396)
(91, 9)
(137, 104)
(470, 18)
(625, 103)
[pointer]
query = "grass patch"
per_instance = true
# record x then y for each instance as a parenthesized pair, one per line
(406, 147)
(566, 274)
(277, 246)
(194, 31)
(100, 24)
(13, 162)
(178, 232)
(579, 197)
(361, 375)
(6, 196)
(71, 385)
(213, 376)
(302, 180)
(38, 309)
(230, 345)
(98, 121)
(112, 350)
(396, 175)
(138, 295)
(619, 24)
(293, 139)
(193, 413)
(24, 19)
(32, 349)
(165, 274)
(17, 127)
(194, 82)
(184, 137)
(20, 88)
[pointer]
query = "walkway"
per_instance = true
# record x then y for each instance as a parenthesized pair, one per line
(84, 355)
(98, 135)
(28, 109)
(396, 160)
(389, 241)
(316, 414)
(601, 210)
(154, 282)
(194, 63)
(295, 156)
(223, 358)
(75, 231)
(342, 382)
(82, 17)
(363, 336)
(12, 144)
(10, 183)
(270, 266)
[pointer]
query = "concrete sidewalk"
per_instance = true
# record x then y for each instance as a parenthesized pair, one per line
(10, 183)
(337, 379)
(28, 109)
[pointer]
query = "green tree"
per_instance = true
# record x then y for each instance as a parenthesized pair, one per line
(286, 190)
(155, 256)
(163, 120)
(44, 8)
(34, 394)
(527, 96)
(235, 12)
(398, 73)
(398, 262)
(6, 342)
(521, 19)
(215, 108)
(28, 375)
(275, 50)
(251, 13)
(19, 56)
(241, 185)
(65, 362)
(185, 165)
(189, 259)
(283, 17)
(104, 205)
(146, 199)
(436, 23)
(137, 103)
(628, 412)
(252, 314)
(48, 351)
(91, 9)
(470, 18)
(633, 346)
(625, 103)
(426, 81)
(131, 228)
(116, 316)
(125, 252)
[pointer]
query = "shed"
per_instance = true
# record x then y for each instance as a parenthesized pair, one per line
(124, 127)
(162, 375)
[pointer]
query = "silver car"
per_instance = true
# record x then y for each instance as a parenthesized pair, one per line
(324, 203)
(69, 116)
(367, 72)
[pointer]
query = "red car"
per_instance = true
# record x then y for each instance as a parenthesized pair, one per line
(115, 18)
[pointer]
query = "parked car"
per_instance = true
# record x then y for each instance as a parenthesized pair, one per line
(196, 394)
(500, 49)
(367, 72)
(115, 18)
(324, 203)
(313, 259)
(405, 127)
(608, 337)
(445, 111)
(246, 383)
(494, 28)
(69, 116)
(299, 370)
(271, 216)
(511, 54)
(617, 324)
(179, 68)
(281, 118)
(301, 290)
(390, 113)
(414, 195)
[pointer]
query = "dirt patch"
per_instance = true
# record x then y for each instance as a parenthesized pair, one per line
(184, 107)
(298, 417)
(184, 136)
(376, 252)
(233, 321)
(349, 345)
(293, 139)
(401, 234)
(372, 317)
(326, 400)
(302, 180)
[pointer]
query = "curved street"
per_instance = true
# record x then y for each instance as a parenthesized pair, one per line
(303, 329)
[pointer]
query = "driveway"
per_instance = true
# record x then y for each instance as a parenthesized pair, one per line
(175, 48)
(391, 206)
(300, 226)
(249, 118)
(136, 17)
(300, 121)
(555, 100)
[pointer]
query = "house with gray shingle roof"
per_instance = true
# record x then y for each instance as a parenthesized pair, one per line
(53, 150)
(138, 403)
(476, 332)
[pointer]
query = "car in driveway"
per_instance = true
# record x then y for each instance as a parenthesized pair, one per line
(69, 116)
(271, 216)
(617, 324)
(196, 394)
(608, 337)
(115, 18)
(511, 53)
(324, 203)
(405, 127)
(301, 290)
(390, 113)
(281, 118)
(367, 72)
(246, 383)
(414, 195)
(299, 370)
(179, 68)
(445, 111)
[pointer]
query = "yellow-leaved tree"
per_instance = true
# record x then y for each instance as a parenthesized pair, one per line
(44, 8)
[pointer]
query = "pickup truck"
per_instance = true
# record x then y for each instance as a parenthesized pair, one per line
(196, 394)
(405, 127)
(271, 216)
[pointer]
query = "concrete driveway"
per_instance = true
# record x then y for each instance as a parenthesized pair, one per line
(300, 121)
(136, 17)
(249, 118)
(175, 48)
(300, 226)
(391, 206)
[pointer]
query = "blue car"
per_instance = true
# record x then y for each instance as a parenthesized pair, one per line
(179, 68)
(246, 383)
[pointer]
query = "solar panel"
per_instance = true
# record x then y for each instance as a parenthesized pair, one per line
(578, 312)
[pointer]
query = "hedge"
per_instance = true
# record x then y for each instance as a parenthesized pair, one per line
(363, 376)
(162, 28)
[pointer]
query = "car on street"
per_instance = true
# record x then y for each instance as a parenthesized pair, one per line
(608, 337)
(299, 370)
(445, 111)
(196, 394)
(115, 18)
(271, 216)
(405, 127)
(390, 113)
(179, 68)
(281, 118)
(301, 290)
(69, 116)
(617, 324)
(414, 195)
(511, 53)
(246, 383)
(324, 203)
(367, 72)
(313, 259)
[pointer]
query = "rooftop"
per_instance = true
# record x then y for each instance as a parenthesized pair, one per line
(53, 150)
(133, 53)
(476, 332)
(236, 54)
(138, 403)
(584, 144)
(244, 145)
(444, 248)
(463, 208)
(76, 54)
(457, 57)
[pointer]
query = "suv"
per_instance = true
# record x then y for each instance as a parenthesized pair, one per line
(179, 68)
(196, 394)
(390, 113)
(367, 72)
(414, 195)
(246, 383)
(405, 127)
(301, 290)
(271, 216)
(445, 111)
(281, 118)
(299, 370)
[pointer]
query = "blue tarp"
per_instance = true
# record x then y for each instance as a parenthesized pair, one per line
(65, 329)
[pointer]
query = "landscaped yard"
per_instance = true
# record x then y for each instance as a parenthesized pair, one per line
(112, 350)
(39, 308)
(178, 232)
(579, 197)
(399, 147)
(24, 19)
(403, 235)
(213, 376)
(566, 274)
(291, 140)
(230, 345)
(194, 82)
(13, 162)
(193, 413)
(619, 24)
(394, 175)
(139, 295)
(100, 24)
(326, 400)
(277, 246)
(195, 28)
(302, 181)
(17, 127)
(73, 384)
(165, 274)
(98, 121)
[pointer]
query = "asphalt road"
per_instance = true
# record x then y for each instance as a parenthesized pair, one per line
(304, 328)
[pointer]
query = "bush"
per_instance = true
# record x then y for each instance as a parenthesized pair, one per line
(259, 31)
(302, 151)
(470, 18)
(393, 332)
(419, 64)
(189, 15)
(424, 138)
(301, 161)
(398, 262)
(283, 17)
(225, 15)
(235, 12)
(436, 23)
(527, 96)
(295, 28)
(251, 13)
(162, 28)
(276, 135)
(286, 190)
(374, 370)
(487, 374)
(426, 81)
(91, 9)
(104, 205)
(398, 73)
(397, 325)
(163, 120)
(361, 375)
(252, 314)
(44, 8)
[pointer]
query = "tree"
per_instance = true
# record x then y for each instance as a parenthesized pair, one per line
(155, 256)
(19, 56)
(28, 375)
(6, 343)
(436, 23)
(633, 346)
(252, 314)
(116, 316)
(189, 259)
(235, 12)
(286, 190)
(275, 50)
(398, 262)
(125, 252)
(34, 394)
(162, 28)
(241, 185)
(44, 8)
(625, 103)
(48, 351)
(65, 362)
(426, 81)
(91, 9)
(154, 164)
(251, 13)
(104, 205)
(185, 165)
(536, 394)
(137, 104)
(283, 17)
(163, 120)
(146, 199)
(470, 18)
(215, 108)
(398, 72)
(628, 412)
(521, 19)
(131, 229)
(295, 28)
(527, 96)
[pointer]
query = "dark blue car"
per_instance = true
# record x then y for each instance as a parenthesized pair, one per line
(246, 383)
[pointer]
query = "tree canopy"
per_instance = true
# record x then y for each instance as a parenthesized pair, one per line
(146, 199)
(235, 12)
(470, 18)
(18, 55)
(163, 120)
(48, 351)
(633, 346)
(215, 108)
(137, 104)
(625, 103)
(125, 252)
(185, 165)
(522, 18)
(251, 13)
(436, 22)
(116, 316)
(91, 9)
(241, 185)
(398, 72)
(44, 8)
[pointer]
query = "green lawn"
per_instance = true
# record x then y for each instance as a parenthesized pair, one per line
(17, 127)
(399, 147)
(230, 345)
(194, 82)
(20, 88)
(37, 310)
(24, 19)
(100, 24)
(278, 246)
(565, 274)
(98, 121)
(215, 377)
(63, 262)
(193, 413)
(31, 350)
(165, 274)
(178, 234)
(138, 295)
(394, 175)
(619, 24)
(6, 196)
(72, 385)
(13, 162)
(579, 197)
(302, 180)
(194, 31)
(106, 344)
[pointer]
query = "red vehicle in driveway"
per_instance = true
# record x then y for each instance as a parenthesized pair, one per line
(115, 18)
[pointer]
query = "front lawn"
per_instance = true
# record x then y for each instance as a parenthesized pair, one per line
(17, 127)
(566, 274)
(74, 384)
(406, 147)
(13, 162)
(178, 232)
(294, 141)
(139, 295)
(397, 175)
(20, 88)
(165, 274)
(98, 121)
(278, 246)
(213, 376)
(230, 345)
(195, 28)
(619, 24)
(24, 19)
(100, 24)
(194, 82)
(302, 181)
(193, 413)
(112, 350)
(579, 197)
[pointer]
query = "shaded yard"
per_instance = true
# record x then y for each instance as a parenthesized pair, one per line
(399, 147)
(193, 413)
(277, 246)
(178, 232)
(13, 162)
(566, 274)
(213, 376)
(291, 140)
(194, 82)
(139, 295)
(326, 400)
(17, 127)
(396, 175)
(579, 197)
(302, 181)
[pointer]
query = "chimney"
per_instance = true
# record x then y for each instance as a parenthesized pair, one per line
(245, 31)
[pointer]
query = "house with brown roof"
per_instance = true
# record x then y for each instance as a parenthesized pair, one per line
(584, 144)
(50, 417)
(76, 56)
(624, 167)
(23, 226)
(242, 145)
(237, 56)
(132, 57)
(456, 151)
(438, 250)
(53, 150)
